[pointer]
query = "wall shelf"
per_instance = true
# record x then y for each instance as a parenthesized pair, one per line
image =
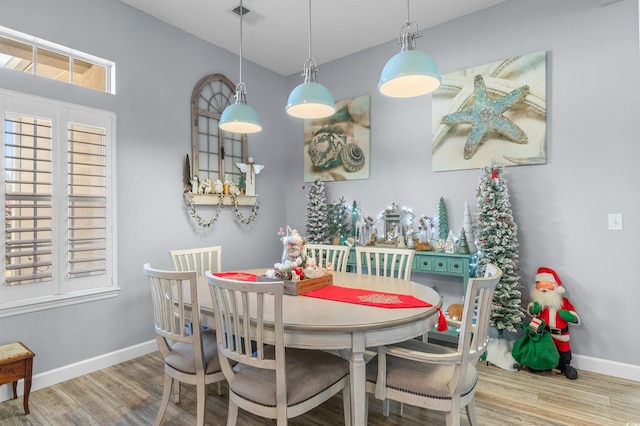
(213, 199)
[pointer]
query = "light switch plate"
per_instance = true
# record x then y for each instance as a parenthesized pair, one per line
(615, 222)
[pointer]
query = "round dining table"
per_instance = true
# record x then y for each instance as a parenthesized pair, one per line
(312, 323)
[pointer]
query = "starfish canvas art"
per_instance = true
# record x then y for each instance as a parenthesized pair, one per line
(491, 111)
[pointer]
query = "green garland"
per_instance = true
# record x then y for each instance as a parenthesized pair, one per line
(239, 216)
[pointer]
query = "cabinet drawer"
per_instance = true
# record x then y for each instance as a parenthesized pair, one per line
(440, 265)
(424, 263)
(456, 266)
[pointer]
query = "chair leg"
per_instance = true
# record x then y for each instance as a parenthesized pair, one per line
(400, 408)
(346, 402)
(366, 409)
(220, 388)
(453, 416)
(166, 393)
(201, 402)
(232, 415)
(385, 407)
(176, 391)
(471, 413)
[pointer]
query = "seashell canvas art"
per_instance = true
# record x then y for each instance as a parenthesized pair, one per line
(325, 149)
(338, 147)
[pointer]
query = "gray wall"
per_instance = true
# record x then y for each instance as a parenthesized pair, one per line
(593, 79)
(561, 207)
(157, 68)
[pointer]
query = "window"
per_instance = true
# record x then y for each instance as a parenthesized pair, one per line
(29, 54)
(59, 240)
(214, 152)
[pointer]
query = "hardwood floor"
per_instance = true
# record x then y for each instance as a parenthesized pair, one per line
(130, 393)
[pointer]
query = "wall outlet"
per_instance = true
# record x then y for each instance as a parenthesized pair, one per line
(615, 222)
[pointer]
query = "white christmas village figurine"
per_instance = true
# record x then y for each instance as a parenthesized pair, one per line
(206, 186)
(251, 170)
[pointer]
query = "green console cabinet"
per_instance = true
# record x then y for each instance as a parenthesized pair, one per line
(432, 262)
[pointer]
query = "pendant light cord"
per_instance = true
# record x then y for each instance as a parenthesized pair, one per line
(241, 19)
(407, 39)
(408, 14)
(310, 29)
(310, 66)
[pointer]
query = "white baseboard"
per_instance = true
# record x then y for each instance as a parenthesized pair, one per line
(71, 371)
(609, 368)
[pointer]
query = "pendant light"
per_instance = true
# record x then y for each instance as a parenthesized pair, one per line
(310, 99)
(240, 117)
(411, 72)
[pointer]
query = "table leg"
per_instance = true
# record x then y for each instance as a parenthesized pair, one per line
(27, 384)
(357, 380)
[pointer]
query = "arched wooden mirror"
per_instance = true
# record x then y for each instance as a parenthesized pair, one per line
(214, 152)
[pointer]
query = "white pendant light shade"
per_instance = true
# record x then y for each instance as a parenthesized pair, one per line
(310, 99)
(409, 73)
(239, 118)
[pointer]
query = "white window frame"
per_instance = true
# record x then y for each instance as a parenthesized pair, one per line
(68, 52)
(62, 291)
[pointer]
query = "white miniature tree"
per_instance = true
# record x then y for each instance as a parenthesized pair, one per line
(468, 228)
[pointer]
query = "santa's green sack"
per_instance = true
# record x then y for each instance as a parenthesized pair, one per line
(536, 348)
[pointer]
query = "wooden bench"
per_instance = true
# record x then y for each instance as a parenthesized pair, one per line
(16, 362)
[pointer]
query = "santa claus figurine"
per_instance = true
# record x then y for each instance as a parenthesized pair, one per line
(549, 304)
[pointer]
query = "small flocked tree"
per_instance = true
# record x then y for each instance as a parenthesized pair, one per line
(498, 244)
(355, 214)
(443, 221)
(468, 228)
(339, 220)
(317, 225)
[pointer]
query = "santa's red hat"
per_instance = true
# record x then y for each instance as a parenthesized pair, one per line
(550, 276)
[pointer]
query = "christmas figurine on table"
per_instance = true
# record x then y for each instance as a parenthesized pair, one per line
(549, 304)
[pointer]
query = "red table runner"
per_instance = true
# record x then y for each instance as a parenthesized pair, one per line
(240, 276)
(374, 298)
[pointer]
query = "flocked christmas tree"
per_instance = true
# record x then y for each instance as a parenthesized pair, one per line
(317, 225)
(339, 221)
(443, 221)
(497, 236)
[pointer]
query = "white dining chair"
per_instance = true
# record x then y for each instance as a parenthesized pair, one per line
(334, 254)
(437, 377)
(389, 262)
(188, 357)
(198, 259)
(270, 381)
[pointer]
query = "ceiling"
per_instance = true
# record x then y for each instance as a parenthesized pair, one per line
(276, 32)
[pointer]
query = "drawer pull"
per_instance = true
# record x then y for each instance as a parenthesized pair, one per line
(439, 263)
(455, 265)
(425, 263)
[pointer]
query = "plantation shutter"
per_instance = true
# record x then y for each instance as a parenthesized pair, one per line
(87, 233)
(28, 200)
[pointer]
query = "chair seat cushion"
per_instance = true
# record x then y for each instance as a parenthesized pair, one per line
(420, 378)
(182, 357)
(309, 372)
